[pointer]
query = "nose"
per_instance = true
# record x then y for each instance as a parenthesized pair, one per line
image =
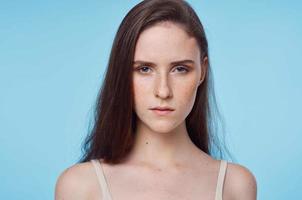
(162, 88)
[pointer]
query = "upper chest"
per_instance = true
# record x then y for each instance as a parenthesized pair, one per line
(134, 184)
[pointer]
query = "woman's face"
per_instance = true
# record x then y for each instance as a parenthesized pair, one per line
(159, 81)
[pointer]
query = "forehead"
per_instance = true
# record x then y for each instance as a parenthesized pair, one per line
(164, 42)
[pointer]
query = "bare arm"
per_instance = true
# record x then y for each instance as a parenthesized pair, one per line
(242, 182)
(70, 186)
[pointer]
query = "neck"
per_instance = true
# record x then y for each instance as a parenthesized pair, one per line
(162, 150)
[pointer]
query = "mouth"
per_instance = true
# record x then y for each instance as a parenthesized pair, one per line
(162, 111)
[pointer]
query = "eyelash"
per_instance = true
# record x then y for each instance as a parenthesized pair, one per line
(184, 69)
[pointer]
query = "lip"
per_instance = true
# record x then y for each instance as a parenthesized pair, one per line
(162, 110)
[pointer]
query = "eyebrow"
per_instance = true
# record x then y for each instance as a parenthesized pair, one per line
(172, 63)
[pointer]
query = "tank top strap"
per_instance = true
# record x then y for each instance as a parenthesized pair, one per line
(220, 180)
(101, 179)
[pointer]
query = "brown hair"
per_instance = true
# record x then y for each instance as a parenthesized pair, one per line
(112, 135)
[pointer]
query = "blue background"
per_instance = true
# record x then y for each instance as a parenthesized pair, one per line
(53, 55)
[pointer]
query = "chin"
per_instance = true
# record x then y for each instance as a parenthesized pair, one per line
(162, 127)
(162, 131)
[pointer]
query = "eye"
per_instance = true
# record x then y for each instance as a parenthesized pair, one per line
(143, 69)
(182, 69)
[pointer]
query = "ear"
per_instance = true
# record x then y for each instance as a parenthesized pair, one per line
(204, 68)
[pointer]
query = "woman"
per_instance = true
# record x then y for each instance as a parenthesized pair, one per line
(152, 137)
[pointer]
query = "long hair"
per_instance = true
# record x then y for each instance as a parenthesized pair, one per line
(113, 132)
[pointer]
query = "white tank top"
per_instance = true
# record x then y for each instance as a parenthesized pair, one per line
(107, 195)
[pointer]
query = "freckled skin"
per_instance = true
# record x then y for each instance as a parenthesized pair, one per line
(163, 85)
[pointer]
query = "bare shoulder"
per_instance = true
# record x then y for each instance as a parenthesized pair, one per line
(240, 183)
(76, 182)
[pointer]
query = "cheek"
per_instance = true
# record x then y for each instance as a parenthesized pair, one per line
(186, 96)
(140, 91)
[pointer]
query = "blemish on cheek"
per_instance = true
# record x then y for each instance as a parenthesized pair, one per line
(146, 142)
